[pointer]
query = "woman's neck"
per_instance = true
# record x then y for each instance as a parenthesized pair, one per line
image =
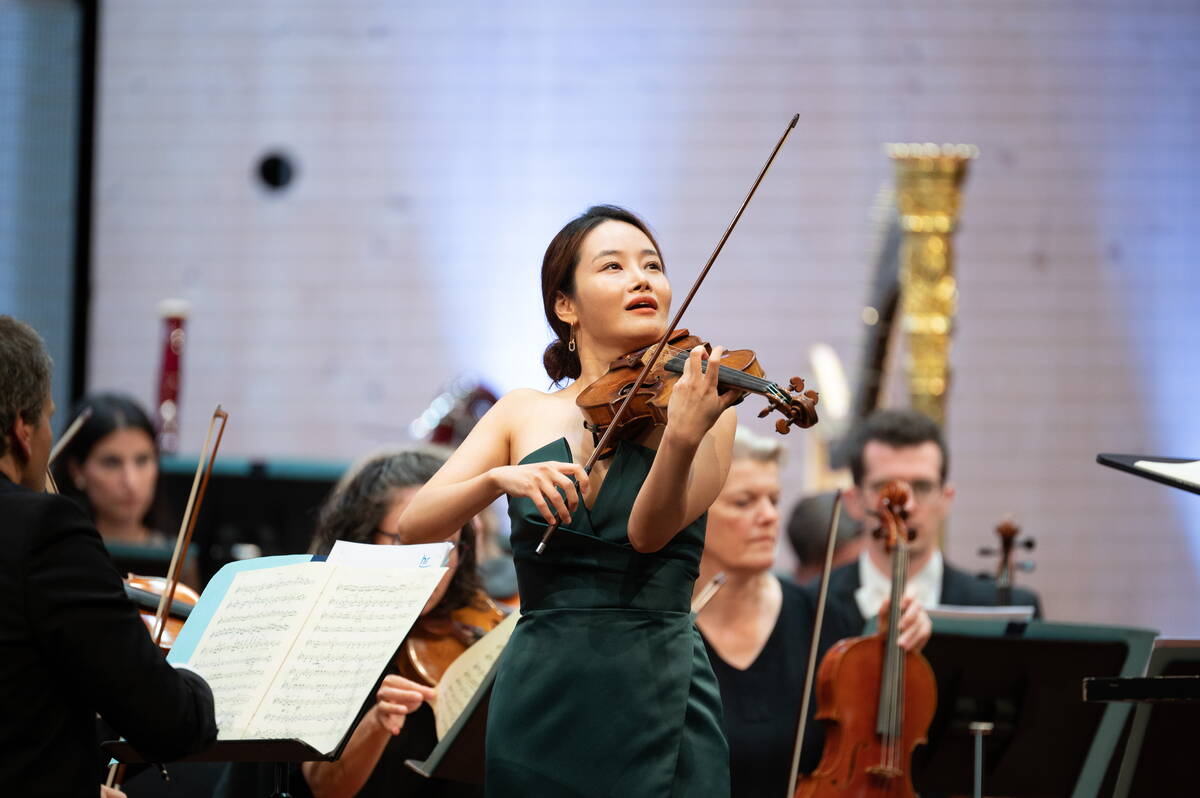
(744, 594)
(595, 357)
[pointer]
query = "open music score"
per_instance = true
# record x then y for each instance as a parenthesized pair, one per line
(1186, 472)
(293, 651)
(467, 673)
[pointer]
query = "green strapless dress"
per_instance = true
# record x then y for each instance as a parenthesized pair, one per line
(605, 688)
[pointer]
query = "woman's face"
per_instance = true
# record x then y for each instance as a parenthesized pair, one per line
(119, 475)
(622, 296)
(387, 535)
(743, 523)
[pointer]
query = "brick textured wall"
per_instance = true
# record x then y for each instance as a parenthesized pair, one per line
(439, 148)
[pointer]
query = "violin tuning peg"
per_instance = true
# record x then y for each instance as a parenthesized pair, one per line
(766, 411)
(782, 426)
(796, 385)
(813, 395)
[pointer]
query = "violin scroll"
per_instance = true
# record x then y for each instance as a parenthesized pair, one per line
(799, 407)
(1009, 533)
(892, 515)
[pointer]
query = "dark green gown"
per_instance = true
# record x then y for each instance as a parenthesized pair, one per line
(605, 688)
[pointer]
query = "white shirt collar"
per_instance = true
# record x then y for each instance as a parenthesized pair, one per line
(876, 586)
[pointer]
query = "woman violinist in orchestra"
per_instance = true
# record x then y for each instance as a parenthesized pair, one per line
(604, 688)
(110, 468)
(758, 628)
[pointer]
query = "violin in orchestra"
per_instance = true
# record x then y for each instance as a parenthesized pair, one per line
(437, 639)
(739, 370)
(876, 699)
(1010, 540)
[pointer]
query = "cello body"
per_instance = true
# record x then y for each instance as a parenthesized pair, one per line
(848, 695)
(875, 698)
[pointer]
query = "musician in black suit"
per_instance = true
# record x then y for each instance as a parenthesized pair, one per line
(71, 644)
(907, 446)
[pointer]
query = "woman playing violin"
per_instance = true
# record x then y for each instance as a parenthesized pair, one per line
(605, 688)
(758, 628)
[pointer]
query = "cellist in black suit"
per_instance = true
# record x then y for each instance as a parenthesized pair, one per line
(71, 643)
(907, 446)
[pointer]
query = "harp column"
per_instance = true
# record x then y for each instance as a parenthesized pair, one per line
(929, 180)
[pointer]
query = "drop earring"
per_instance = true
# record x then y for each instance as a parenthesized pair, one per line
(571, 343)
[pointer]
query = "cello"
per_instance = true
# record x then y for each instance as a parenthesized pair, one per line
(876, 699)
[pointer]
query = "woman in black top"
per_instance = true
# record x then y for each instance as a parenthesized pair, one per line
(758, 628)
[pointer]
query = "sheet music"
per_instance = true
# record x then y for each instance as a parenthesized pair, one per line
(246, 641)
(464, 676)
(1016, 612)
(369, 555)
(353, 631)
(1184, 472)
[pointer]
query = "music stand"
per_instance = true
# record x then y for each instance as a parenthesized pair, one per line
(459, 755)
(1129, 464)
(1025, 680)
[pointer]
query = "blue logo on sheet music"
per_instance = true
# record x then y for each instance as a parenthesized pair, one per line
(424, 563)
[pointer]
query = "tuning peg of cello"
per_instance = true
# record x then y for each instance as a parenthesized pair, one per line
(782, 426)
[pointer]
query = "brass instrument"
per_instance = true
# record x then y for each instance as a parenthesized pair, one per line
(929, 179)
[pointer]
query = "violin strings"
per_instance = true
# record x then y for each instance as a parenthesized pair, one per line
(738, 378)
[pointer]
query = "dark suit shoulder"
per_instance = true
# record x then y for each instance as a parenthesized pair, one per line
(965, 589)
(842, 617)
(32, 515)
(845, 579)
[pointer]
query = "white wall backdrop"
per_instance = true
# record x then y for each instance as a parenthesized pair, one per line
(439, 148)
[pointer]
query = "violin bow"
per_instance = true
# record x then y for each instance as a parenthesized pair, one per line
(822, 595)
(662, 343)
(67, 436)
(187, 526)
(706, 595)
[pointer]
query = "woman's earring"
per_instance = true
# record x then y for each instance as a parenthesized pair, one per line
(571, 343)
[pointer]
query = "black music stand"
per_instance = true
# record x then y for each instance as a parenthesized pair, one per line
(279, 752)
(1024, 679)
(1129, 464)
(1158, 755)
(459, 755)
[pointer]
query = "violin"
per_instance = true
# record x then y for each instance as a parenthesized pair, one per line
(146, 592)
(876, 699)
(435, 641)
(739, 370)
(1008, 532)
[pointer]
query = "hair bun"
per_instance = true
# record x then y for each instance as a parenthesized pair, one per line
(560, 363)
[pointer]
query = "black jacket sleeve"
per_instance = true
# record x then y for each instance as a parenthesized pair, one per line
(84, 623)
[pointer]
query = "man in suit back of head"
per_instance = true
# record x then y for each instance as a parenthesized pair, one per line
(71, 643)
